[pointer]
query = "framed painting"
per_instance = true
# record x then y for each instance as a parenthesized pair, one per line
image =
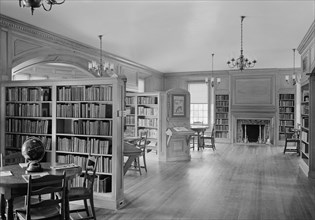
(178, 105)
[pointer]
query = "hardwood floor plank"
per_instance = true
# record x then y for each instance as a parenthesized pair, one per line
(235, 182)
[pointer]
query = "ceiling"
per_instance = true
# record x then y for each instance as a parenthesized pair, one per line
(180, 36)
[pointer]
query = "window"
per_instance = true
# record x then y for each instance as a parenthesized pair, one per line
(198, 102)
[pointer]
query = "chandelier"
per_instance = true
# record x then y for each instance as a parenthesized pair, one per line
(296, 78)
(47, 4)
(103, 68)
(241, 62)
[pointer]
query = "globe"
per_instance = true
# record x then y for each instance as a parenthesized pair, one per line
(33, 151)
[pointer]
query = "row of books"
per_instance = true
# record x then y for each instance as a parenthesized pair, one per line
(84, 110)
(286, 96)
(130, 100)
(28, 94)
(286, 109)
(102, 183)
(222, 115)
(28, 126)
(148, 122)
(130, 120)
(90, 145)
(84, 93)
(104, 164)
(222, 97)
(304, 136)
(305, 109)
(28, 110)
(222, 103)
(286, 129)
(148, 100)
(152, 133)
(286, 103)
(222, 109)
(17, 140)
(286, 123)
(221, 128)
(286, 116)
(147, 111)
(221, 121)
(84, 127)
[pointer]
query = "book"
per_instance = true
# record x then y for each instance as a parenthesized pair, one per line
(5, 173)
(64, 166)
(34, 175)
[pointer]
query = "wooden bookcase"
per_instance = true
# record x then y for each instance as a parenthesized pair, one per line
(222, 106)
(74, 118)
(286, 114)
(144, 113)
(305, 147)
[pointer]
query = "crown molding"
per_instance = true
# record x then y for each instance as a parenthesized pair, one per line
(53, 38)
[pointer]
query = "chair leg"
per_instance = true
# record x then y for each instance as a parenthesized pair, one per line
(3, 205)
(138, 165)
(285, 147)
(145, 163)
(92, 208)
(86, 207)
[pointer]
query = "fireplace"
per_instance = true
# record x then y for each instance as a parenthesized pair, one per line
(253, 131)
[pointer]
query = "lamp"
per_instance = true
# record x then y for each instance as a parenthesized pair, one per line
(101, 69)
(212, 78)
(295, 77)
(37, 3)
(241, 62)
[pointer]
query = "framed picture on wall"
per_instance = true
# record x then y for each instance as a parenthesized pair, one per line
(178, 105)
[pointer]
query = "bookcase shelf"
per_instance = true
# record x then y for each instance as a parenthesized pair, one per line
(73, 118)
(286, 114)
(143, 113)
(222, 116)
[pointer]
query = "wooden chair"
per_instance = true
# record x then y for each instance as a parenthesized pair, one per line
(210, 137)
(291, 137)
(85, 192)
(50, 208)
(142, 145)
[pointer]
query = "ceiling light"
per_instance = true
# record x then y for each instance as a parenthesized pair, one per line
(241, 62)
(47, 4)
(101, 69)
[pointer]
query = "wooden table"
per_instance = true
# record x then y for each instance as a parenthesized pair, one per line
(199, 129)
(132, 152)
(15, 186)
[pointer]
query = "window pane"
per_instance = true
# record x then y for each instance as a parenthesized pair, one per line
(198, 102)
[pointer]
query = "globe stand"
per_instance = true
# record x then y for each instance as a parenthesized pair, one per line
(34, 167)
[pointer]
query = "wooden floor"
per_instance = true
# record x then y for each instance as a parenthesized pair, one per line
(235, 182)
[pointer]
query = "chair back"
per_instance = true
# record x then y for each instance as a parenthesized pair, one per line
(289, 134)
(10, 159)
(89, 174)
(49, 184)
(142, 143)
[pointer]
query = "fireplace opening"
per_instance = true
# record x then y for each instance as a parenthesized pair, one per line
(252, 132)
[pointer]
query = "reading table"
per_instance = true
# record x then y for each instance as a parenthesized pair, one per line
(14, 185)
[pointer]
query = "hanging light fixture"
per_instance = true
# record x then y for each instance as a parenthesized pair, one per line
(103, 68)
(47, 4)
(241, 62)
(295, 77)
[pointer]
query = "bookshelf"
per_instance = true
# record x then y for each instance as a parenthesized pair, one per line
(143, 113)
(286, 114)
(76, 118)
(222, 116)
(304, 163)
